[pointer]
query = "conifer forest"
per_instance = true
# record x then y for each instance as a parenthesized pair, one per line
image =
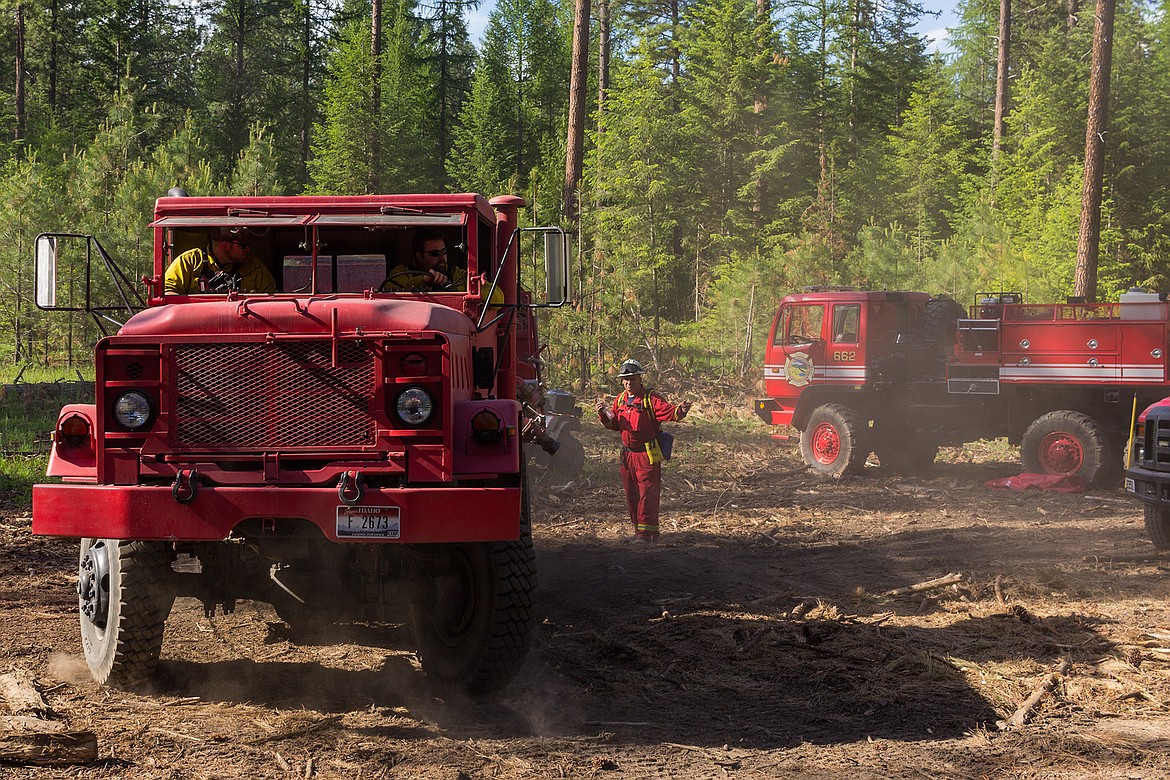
(734, 150)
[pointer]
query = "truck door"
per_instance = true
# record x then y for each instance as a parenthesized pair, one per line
(844, 351)
(798, 345)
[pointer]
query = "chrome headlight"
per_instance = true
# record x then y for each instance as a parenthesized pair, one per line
(414, 406)
(132, 409)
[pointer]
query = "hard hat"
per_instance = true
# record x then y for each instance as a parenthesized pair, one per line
(231, 234)
(630, 368)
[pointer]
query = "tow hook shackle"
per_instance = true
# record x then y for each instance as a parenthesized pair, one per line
(350, 488)
(186, 486)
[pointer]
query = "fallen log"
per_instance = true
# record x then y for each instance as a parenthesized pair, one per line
(17, 723)
(947, 579)
(18, 689)
(1021, 715)
(48, 749)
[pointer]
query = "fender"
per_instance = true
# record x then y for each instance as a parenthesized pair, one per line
(860, 399)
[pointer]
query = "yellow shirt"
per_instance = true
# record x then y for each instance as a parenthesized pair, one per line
(403, 277)
(183, 274)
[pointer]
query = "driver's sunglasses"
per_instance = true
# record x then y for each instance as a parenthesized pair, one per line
(435, 252)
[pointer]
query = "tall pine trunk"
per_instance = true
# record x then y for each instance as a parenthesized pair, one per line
(1001, 88)
(20, 121)
(375, 175)
(1088, 243)
(578, 83)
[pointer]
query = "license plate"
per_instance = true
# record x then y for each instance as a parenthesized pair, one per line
(368, 522)
(1129, 486)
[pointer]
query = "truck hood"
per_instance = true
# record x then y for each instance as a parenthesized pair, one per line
(296, 315)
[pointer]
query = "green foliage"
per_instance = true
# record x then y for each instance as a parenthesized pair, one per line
(743, 150)
(342, 150)
(514, 116)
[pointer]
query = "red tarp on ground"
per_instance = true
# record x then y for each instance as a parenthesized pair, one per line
(1056, 482)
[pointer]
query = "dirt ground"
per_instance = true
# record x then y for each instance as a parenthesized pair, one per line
(755, 641)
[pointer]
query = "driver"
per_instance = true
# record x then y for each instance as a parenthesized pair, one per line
(226, 264)
(429, 270)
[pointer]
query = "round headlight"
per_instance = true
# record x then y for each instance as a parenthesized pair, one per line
(414, 406)
(132, 409)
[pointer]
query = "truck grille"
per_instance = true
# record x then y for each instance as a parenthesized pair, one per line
(273, 395)
(1156, 442)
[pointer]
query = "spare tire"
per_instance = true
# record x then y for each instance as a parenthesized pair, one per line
(940, 322)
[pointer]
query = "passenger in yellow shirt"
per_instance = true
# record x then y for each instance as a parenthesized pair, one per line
(430, 269)
(227, 264)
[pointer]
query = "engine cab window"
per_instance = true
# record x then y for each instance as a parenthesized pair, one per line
(846, 322)
(335, 273)
(800, 324)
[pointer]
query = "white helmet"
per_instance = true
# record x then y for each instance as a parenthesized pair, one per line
(630, 368)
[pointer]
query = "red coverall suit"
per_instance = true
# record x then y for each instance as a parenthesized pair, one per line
(642, 481)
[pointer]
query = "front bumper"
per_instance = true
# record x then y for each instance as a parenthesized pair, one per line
(426, 515)
(1149, 487)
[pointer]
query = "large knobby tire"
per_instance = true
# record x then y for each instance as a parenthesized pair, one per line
(474, 618)
(1069, 444)
(1158, 526)
(124, 596)
(833, 442)
(940, 319)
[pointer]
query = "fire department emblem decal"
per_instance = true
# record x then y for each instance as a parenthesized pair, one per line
(798, 369)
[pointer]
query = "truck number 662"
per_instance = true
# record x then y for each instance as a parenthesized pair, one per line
(845, 356)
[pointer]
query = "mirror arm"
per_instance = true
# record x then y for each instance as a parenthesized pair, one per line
(479, 326)
(100, 320)
(121, 281)
(506, 309)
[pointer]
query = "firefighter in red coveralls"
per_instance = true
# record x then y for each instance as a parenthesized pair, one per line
(636, 414)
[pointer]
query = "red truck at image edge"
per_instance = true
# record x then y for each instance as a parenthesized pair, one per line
(899, 374)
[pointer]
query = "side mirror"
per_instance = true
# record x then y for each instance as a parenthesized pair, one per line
(557, 265)
(46, 272)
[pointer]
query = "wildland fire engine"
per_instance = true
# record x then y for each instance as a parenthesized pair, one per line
(340, 452)
(901, 373)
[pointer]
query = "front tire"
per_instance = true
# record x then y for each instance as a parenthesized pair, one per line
(833, 441)
(124, 597)
(1066, 443)
(474, 617)
(1158, 526)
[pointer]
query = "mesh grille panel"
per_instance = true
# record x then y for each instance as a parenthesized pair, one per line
(281, 395)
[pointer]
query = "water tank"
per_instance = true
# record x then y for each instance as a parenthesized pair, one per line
(1138, 304)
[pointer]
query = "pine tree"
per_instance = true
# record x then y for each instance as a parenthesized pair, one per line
(514, 118)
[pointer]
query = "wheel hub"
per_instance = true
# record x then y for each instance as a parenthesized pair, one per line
(826, 444)
(93, 584)
(1061, 453)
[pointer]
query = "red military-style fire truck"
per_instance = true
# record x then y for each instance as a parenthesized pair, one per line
(901, 373)
(339, 451)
